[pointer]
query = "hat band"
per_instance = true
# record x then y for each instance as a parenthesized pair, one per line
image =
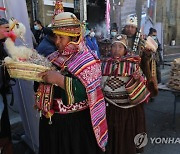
(65, 33)
(66, 22)
(133, 24)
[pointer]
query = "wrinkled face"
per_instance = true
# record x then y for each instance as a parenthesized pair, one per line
(61, 41)
(130, 30)
(118, 50)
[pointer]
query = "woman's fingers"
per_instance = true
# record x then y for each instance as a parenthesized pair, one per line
(42, 74)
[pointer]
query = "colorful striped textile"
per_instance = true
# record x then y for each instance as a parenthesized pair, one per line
(137, 91)
(127, 66)
(56, 59)
(44, 99)
(124, 66)
(69, 90)
(87, 69)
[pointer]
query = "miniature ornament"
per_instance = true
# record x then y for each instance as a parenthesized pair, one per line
(58, 8)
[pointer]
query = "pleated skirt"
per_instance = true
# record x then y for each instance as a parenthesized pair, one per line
(123, 126)
(68, 134)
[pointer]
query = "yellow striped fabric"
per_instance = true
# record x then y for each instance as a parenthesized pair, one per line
(69, 90)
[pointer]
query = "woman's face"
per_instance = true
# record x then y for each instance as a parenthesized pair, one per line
(130, 30)
(118, 50)
(61, 41)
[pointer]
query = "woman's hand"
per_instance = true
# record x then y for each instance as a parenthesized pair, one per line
(53, 77)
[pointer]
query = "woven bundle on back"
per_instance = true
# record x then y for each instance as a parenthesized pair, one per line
(174, 81)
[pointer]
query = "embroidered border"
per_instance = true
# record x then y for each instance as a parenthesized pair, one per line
(64, 109)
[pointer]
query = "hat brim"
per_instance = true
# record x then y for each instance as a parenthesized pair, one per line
(120, 42)
(130, 24)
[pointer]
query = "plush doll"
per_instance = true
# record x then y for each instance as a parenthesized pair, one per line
(21, 53)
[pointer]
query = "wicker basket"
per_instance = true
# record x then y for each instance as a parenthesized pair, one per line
(27, 71)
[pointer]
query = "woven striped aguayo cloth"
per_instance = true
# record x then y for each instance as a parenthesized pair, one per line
(124, 66)
(116, 74)
(87, 68)
(174, 81)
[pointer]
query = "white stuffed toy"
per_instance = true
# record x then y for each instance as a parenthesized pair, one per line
(21, 53)
(17, 53)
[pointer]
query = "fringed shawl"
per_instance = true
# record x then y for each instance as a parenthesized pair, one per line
(87, 69)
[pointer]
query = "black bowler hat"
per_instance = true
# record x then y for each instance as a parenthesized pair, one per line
(114, 26)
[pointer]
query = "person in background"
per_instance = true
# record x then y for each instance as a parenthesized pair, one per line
(5, 130)
(138, 45)
(70, 99)
(105, 48)
(113, 31)
(125, 119)
(38, 31)
(133, 35)
(159, 60)
(47, 45)
(91, 42)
